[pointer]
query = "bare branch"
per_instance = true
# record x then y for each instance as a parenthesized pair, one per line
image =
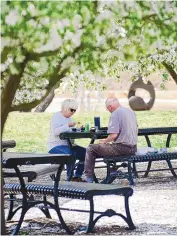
(35, 55)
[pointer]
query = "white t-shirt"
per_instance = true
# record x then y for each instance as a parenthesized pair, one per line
(58, 124)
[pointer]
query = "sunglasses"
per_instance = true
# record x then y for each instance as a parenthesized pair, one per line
(72, 110)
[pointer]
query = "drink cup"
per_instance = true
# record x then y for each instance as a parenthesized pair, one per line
(97, 122)
(86, 127)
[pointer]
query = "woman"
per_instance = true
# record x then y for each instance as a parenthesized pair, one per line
(61, 122)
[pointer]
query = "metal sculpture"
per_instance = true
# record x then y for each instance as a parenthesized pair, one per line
(137, 103)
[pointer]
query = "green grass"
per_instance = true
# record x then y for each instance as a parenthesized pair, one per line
(30, 130)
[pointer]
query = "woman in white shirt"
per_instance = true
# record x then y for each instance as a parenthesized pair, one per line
(61, 122)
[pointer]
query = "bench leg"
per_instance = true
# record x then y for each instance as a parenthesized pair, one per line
(25, 207)
(148, 169)
(56, 202)
(109, 178)
(11, 206)
(91, 222)
(129, 219)
(17, 228)
(130, 176)
(12, 212)
(45, 210)
(95, 179)
(110, 213)
(171, 168)
(135, 170)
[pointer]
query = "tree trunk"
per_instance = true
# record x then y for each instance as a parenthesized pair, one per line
(3, 229)
(171, 71)
(46, 102)
(8, 93)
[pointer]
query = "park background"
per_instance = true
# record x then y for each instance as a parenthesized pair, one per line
(32, 129)
(50, 47)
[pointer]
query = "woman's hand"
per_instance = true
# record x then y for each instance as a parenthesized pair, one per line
(71, 124)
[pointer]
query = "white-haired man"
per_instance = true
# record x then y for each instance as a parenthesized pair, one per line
(122, 137)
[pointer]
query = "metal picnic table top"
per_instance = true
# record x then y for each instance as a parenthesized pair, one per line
(11, 159)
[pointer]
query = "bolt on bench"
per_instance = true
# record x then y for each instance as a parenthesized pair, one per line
(82, 191)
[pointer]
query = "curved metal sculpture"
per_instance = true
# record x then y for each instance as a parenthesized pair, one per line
(137, 103)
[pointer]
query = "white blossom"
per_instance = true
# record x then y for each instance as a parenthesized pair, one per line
(12, 17)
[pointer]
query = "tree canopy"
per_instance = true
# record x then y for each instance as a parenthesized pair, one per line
(46, 43)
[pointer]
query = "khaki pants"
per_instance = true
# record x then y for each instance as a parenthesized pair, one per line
(99, 150)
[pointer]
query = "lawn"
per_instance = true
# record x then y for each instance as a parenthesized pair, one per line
(30, 130)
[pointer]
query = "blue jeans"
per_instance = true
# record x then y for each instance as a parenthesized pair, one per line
(77, 152)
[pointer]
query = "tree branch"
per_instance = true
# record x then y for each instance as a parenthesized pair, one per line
(35, 55)
(26, 107)
(171, 71)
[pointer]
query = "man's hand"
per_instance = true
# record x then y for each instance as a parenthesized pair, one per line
(102, 141)
(71, 124)
(110, 138)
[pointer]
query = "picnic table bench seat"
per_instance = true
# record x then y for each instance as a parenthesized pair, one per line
(76, 190)
(73, 190)
(129, 161)
(32, 173)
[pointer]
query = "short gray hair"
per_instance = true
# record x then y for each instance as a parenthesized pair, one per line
(111, 100)
(69, 103)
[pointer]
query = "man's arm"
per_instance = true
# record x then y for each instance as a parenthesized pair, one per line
(110, 138)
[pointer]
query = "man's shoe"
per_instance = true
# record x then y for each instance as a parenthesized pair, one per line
(77, 179)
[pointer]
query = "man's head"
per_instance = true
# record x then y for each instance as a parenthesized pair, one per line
(68, 107)
(112, 104)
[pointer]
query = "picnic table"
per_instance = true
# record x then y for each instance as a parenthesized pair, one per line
(146, 132)
(56, 189)
(12, 160)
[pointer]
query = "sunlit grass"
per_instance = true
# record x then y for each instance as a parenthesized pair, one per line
(30, 130)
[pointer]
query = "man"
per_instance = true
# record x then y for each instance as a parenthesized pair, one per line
(122, 138)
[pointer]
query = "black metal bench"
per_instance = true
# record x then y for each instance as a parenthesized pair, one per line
(129, 162)
(81, 191)
(146, 132)
(56, 189)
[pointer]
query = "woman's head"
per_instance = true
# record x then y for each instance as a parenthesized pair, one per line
(69, 107)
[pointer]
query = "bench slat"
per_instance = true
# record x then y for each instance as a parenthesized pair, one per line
(71, 189)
